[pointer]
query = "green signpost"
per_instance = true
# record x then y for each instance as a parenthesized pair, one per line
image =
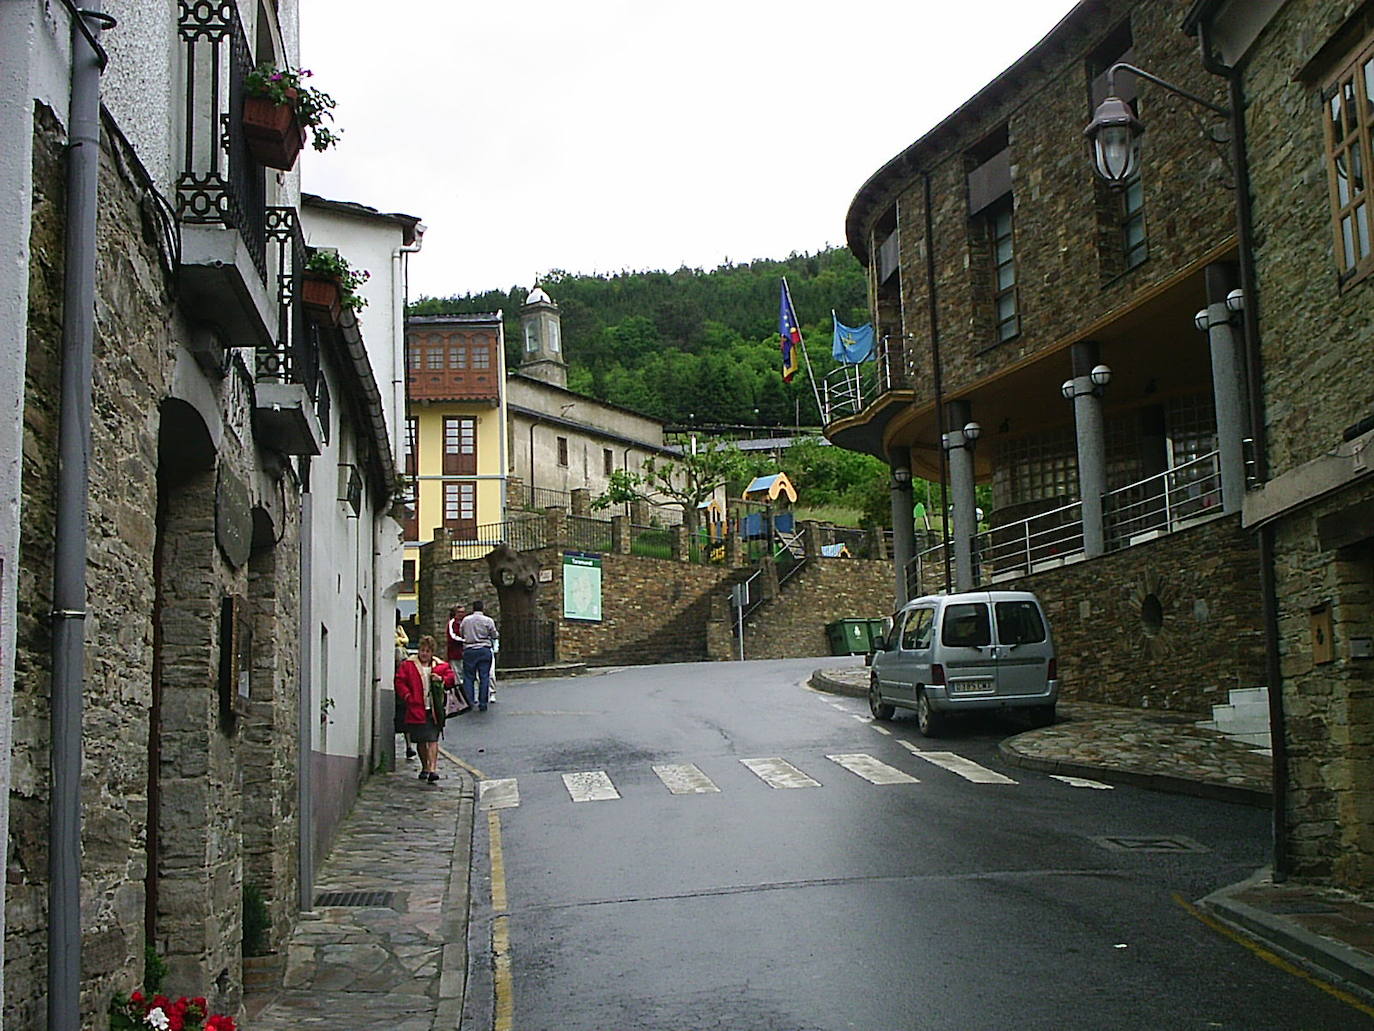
(581, 586)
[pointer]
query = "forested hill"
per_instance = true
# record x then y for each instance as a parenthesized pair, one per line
(691, 345)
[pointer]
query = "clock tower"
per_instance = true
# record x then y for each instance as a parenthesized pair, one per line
(541, 340)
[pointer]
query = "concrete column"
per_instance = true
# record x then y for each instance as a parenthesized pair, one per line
(903, 522)
(1227, 391)
(1092, 447)
(962, 499)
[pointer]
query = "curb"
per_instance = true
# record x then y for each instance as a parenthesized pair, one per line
(1331, 960)
(1149, 780)
(562, 669)
(821, 682)
(453, 921)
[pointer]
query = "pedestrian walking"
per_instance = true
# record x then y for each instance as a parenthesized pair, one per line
(420, 683)
(479, 634)
(399, 715)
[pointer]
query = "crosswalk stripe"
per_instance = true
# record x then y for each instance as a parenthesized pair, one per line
(881, 730)
(592, 786)
(861, 717)
(1080, 782)
(778, 773)
(871, 769)
(957, 764)
(501, 793)
(685, 779)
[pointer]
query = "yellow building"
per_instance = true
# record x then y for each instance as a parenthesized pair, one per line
(454, 452)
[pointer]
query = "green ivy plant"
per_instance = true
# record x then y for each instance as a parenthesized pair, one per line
(332, 265)
(287, 86)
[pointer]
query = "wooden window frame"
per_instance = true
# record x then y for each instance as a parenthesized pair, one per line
(563, 452)
(1353, 83)
(460, 445)
(460, 508)
(412, 446)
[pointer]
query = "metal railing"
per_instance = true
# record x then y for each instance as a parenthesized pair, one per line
(294, 356)
(588, 534)
(521, 534)
(220, 182)
(849, 389)
(1163, 502)
(539, 498)
(1022, 546)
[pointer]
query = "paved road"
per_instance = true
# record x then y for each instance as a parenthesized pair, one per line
(693, 847)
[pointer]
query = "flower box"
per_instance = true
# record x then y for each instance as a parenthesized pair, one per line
(273, 132)
(321, 297)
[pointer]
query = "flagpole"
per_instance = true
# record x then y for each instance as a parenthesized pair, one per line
(820, 412)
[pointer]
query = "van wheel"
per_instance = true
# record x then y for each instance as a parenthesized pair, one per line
(929, 722)
(880, 709)
(1041, 715)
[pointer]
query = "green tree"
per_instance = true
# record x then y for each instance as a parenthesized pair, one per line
(687, 481)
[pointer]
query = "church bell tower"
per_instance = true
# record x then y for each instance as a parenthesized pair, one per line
(542, 356)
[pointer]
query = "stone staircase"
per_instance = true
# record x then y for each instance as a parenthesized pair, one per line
(1244, 717)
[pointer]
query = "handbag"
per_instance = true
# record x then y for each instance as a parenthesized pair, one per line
(455, 702)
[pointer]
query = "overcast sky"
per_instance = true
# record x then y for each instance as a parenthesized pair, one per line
(606, 135)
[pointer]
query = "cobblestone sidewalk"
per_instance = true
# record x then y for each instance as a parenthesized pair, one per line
(397, 964)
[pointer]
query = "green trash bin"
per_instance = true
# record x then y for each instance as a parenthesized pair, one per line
(875, 633)
(848, 637)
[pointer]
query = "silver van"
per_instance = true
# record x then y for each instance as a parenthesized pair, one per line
(962, 652)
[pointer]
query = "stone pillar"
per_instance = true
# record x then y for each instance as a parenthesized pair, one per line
(877, 543)
(640, 513)
(769, 578)
(1092, 447)
(1227, 390)
(903, 522)
(620, 534)
(962, 499)
(681, 552)
(556, 525)
(581, 501)
(811, 538)
(734, 547)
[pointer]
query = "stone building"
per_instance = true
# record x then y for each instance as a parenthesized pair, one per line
(1037, 333)
(157, 692)
(1302, 75)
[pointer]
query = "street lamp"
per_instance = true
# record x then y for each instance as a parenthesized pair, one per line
(1100, 376)
(1115, 131)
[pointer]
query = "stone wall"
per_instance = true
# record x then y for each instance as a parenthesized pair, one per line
(1317, 345)
(144, 558)
(1172, 623)
(825, 590)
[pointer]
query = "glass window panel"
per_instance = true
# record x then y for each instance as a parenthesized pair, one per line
(1135, 233)
(1006, 306)
(1135, 195)
(1348, 94)
(1334, 108)
(1009, 328)
(1362, 230)
(1348, 239)
(1356, 170)
(1369, 89)
(1003, 251)
(1342, 180)
(1006, 277)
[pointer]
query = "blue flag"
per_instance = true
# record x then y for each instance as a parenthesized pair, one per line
(790, 333)
(852, 346)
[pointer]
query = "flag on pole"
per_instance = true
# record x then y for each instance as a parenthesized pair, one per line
(790, 333)
(852, 346)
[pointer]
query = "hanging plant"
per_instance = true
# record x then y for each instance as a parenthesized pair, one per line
(285, 87)
(331, 265)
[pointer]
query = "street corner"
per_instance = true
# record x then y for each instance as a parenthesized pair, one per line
(846, 681)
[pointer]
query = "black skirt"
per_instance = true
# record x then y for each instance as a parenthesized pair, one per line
(423, 733)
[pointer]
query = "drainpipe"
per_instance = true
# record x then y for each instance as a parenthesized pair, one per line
(69, 554)
(305, 714)
(942, 425)
(1254, 390)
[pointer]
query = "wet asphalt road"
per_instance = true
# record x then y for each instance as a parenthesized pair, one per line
(946, 904)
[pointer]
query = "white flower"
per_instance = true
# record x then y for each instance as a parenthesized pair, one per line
(158, 1019)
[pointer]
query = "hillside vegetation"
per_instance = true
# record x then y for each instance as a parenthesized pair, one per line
(691, 347)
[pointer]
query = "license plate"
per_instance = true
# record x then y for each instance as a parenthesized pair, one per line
(972, 686)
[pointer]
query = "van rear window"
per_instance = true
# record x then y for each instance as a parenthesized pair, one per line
(966, 626)
(1019, 622)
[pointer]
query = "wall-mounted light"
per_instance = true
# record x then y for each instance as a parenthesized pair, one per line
(1066, 388)
(1202, 320)
(1235, 300)
(972, 431)
(1101, 375)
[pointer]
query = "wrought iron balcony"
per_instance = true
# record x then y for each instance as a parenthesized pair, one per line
(220, 183)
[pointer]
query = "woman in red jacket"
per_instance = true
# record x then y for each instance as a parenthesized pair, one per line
(422, 722)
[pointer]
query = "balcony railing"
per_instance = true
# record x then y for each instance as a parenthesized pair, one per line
(220, 183)
(294, 355)
(849, 389)
(1132, 514)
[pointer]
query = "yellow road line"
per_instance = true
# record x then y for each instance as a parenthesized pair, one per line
(1272, 959)
(500, 950)
(500, 929)
(454, 759)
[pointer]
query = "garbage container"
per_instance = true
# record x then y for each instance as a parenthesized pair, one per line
(848, 637)
(876, 633)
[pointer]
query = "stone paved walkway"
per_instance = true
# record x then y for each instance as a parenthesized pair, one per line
(391, 968)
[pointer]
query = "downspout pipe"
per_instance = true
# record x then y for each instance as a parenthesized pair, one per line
(942, 425)
(69, 553)
(1254, 390)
